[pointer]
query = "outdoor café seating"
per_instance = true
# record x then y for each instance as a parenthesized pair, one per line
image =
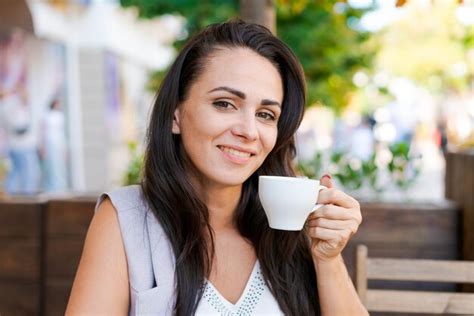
(404, 301)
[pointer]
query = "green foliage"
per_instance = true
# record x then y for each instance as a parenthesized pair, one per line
(197, 14)
(402, 169)
(3, 171)
(133, 174)
(312, 168)
(329, 50)
(370, 173)
(349, 172)
(155, 79)
(353, 174)
(429, 50)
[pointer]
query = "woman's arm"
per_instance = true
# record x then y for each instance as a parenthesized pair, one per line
(337, 295)
(101, 284)
(330, 228)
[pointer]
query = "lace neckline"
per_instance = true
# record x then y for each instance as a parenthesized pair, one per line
(246, 303)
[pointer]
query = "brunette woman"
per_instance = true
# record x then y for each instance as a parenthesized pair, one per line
(193, 237)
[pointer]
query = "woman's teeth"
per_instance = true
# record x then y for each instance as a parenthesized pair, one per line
(235, 152)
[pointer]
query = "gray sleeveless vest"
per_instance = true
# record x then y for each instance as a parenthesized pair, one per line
(150, 259)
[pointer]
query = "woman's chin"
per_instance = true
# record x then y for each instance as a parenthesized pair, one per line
(231, 180)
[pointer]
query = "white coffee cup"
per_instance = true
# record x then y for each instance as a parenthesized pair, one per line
(288, 201)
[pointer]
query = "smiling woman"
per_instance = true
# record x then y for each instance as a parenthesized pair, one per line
(227, 123)
(193, 237)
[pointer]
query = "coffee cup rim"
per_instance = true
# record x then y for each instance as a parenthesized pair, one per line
(286, 178)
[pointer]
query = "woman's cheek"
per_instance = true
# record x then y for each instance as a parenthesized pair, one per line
(269, 139)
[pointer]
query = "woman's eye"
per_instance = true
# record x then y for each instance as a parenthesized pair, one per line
(266, 116)
(223, 104)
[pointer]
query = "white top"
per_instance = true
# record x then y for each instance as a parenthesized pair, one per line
(15, 116)
(151, 266)
(255, 300)
(53, 125)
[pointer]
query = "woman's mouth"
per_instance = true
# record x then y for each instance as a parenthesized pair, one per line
(234, 155)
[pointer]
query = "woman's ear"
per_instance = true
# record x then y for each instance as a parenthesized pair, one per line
(176, 124)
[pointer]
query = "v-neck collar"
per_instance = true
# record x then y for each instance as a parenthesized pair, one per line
(229, 305)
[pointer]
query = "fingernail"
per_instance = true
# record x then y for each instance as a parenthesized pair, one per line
(327, 176)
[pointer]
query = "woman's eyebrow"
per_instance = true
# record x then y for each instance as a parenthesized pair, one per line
(242, 95)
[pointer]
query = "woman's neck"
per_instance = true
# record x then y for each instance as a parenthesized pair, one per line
(221, 201)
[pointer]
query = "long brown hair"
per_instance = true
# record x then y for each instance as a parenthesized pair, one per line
(284, 256)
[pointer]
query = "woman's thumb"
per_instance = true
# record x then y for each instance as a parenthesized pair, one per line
(326, 180)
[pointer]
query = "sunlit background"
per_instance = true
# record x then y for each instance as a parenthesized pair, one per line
(390, 115)
(390, 89)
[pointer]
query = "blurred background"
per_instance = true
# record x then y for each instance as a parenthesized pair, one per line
(390, 88)
(390, 114)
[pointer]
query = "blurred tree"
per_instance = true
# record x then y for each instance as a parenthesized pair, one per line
(134, 172)
(260, 12)
(198, 14)
(434, 51)
(325, 38)
(323, 34)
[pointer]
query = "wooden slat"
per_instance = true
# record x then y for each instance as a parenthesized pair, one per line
(361, 266)
(66, 226)
(19, 298)
(57, 292)
(20, 219)
(468, 214)
(20, 259)
(412, 228)
(448, 183)
(420, 302)
(62, 256)
(469, 181)
(69, 217)
(420, 270)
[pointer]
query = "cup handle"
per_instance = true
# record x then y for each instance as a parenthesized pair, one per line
(321, 187)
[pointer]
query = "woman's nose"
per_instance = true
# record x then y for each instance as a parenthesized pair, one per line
(246, 127)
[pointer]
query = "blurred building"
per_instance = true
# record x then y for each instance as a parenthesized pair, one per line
(96, 57)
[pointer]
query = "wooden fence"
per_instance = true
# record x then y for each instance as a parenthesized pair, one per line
(41, 243)
(459, 184)
(21, 266)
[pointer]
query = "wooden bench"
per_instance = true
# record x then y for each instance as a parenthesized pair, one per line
(405, 301)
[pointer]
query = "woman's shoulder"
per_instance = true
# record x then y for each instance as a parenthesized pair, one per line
(135, 217)
(95, 288)
(145, 242)
(125, 199)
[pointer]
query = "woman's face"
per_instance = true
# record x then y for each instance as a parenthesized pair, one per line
(228, 123)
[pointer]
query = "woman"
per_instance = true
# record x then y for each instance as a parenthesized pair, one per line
(193, 238)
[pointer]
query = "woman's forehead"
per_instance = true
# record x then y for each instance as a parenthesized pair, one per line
(241, 68)
(230, 56)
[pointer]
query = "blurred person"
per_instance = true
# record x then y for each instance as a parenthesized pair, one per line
(15, 117)
(404, 109)
(306, 144)
(24, 173)
(3, 161)
(53, 148)
(362, 141)
(193, 237)
(340, 135)
(441, 135)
